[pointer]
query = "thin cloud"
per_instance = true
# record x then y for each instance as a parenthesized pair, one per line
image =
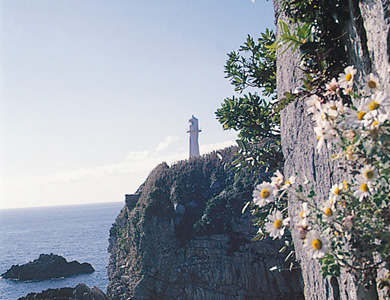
(211, 147)
(129, 173)
(166, 143)
(135, 162)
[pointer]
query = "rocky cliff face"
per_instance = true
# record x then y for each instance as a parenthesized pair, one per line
(367, 42)
(183, 237)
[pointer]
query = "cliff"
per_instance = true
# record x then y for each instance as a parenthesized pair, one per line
(182, 236)
(366, 38)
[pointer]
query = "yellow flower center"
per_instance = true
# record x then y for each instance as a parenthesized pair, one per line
(348, 77)
(287, 182)
(302, 214)
(337, 191)
(264, 193)
(333, 107)
(369, 174)
(372, 84)
(278, 224)
(316, 244)
(361, 115)
(375, 123)
(345, 184)
(318, 137)
(373, 105)
(328, 212)
(364, 187)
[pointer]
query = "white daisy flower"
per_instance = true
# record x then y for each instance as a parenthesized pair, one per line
(277, 179)
(317, 246)
(332, 88)
(362, 189)
(320, 137)
(348, 90)
(277, 225)
(355, 118)
(335, 192)
(332, 135)
(374, 123)
(377, 103)
(301, 219)
(328, 210)
(368, 174)
(372, 85)
(321, 118)
(313, 104)
(325, 131)
(263, 194)
(289, 182)
(346, 78)
(333, 108)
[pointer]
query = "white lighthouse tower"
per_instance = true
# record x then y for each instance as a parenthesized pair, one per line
(194, 132)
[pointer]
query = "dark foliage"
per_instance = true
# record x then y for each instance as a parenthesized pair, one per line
(205, 186)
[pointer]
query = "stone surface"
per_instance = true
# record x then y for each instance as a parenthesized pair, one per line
(367, 42)
(80, 292)
(159, 256)
(131, 200)
(47, 266)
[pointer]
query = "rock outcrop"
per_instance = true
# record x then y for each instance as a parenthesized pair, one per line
(80, 292)
(47, 266)
(367, 41)
(186, 238)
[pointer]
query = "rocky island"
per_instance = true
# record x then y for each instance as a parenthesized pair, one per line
(79, 292)
(47, 266)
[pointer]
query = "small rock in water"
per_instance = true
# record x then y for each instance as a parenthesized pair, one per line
(47, 266)
(80, 292)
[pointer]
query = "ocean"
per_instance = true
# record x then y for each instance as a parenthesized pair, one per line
(78, 232)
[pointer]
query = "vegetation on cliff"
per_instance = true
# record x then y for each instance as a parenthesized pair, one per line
(349, 229)
(186, 237)
(201, 195)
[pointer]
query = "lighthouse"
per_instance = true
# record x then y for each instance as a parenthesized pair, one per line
(194, 132)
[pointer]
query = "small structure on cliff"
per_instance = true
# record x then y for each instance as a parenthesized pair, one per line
(131, 200)
(194, 133)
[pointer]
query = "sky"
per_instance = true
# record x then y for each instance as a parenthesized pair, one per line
(94, 94)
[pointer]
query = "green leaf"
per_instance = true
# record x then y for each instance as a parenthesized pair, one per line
(244, 209)
(257, 237)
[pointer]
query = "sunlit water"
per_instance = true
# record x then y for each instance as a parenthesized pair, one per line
(74, 232)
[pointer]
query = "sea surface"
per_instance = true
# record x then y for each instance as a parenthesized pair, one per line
(78, 232)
